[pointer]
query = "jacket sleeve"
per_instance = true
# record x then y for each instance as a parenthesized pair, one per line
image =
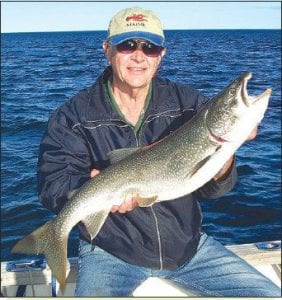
(63, 163)
(215, 189)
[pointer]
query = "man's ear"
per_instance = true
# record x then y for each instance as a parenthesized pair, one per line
(106, 47)
(163, 52)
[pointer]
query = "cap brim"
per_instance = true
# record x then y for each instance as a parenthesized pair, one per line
(153, 38)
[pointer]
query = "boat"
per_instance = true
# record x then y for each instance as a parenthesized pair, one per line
(33, 277)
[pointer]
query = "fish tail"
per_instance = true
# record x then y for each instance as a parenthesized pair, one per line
(50, 242)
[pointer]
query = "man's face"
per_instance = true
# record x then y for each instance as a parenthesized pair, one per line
(133, 70)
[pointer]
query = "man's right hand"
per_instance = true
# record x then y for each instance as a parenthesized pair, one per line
(126, 206)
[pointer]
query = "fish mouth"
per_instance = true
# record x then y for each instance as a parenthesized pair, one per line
(244, 93)
(250, 100)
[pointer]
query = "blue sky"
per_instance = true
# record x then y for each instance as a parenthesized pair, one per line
(73, 16)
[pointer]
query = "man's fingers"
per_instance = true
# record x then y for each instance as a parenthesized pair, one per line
(94, 173)
(126, 206)
(114, 208)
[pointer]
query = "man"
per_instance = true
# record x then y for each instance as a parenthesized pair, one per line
(127, 107)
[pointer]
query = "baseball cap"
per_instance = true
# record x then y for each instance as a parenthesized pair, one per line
(135, 22)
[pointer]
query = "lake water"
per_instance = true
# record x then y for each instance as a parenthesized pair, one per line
(42, 70)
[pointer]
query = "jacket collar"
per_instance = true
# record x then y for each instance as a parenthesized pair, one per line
(100, 108)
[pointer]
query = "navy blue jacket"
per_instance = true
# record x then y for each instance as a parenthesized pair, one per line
(79, 135)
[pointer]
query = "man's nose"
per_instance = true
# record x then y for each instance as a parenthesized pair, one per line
(138, 54)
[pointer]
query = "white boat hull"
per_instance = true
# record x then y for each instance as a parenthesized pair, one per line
(38, 282)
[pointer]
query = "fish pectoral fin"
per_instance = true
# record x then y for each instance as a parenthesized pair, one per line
(120, 154)
(145, 202)
(94, 222)
(198, 166)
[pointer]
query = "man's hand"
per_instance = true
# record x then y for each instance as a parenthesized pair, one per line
(224, 172)
(126, 206)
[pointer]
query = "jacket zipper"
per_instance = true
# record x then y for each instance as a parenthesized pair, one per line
(137, 137)
(158, 237)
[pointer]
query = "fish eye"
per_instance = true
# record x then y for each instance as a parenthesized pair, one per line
(232, 92)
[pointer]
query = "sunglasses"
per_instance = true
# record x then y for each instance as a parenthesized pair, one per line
(149, 49)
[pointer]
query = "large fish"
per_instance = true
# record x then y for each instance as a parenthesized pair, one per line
(175, 166)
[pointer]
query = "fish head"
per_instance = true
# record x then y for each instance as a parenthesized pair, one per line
(233, 114)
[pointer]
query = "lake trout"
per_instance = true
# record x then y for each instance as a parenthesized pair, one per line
(173, 167)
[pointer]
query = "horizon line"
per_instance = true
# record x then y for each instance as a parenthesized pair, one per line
(105, 30)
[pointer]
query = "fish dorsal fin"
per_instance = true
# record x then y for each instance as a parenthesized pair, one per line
(120, 154)
(145, 202)
(94, 223)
